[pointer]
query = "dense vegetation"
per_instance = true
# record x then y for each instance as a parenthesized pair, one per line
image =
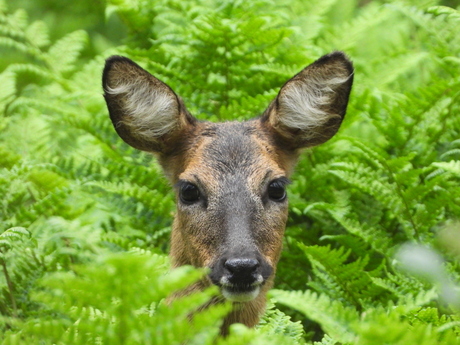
(372, 248)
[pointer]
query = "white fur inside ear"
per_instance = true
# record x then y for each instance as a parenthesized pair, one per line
(150, 112)
(302, 103)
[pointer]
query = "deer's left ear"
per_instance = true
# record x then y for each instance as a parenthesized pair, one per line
(311, 106)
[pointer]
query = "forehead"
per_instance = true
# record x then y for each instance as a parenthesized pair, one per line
(232, 150)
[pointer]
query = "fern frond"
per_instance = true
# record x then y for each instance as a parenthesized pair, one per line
(150, 198)
(62, 54)
(348, 34)
(30, 69)
(7, 93)
(332, 315)
(375, 237)
(117, 312)
(38, 34)
(276, 322)
(340, 280)
(451, 167)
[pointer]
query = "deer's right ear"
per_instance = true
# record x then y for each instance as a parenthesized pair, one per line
(145, 112)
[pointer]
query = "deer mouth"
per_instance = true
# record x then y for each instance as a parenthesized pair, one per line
(241, 292)
(240, 278)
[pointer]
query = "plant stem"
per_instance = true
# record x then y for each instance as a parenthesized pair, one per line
(10, 287)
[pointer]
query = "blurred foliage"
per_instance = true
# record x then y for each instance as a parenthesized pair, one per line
(85, 219)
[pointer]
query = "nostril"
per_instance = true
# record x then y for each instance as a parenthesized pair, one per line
(241, 266)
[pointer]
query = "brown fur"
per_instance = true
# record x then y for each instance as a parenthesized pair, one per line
(232, 165)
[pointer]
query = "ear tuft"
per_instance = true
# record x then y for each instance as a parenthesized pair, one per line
(148, 111)
(310, 107)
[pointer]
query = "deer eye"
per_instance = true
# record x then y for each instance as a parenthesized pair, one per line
(189, 193)
(276, 190)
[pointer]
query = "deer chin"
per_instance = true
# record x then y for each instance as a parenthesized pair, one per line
(235, 295)
(240, 292)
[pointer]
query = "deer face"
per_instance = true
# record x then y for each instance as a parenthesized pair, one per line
(230, 178)
(232, 207)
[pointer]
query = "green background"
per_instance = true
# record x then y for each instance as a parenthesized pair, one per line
(372, 244)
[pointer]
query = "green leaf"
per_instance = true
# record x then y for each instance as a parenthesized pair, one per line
(63, 54)
(37, 34)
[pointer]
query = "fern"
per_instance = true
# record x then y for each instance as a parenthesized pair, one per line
(451, 167)
(81, 297)
(333, 317)
(97, 213)
(276, 322)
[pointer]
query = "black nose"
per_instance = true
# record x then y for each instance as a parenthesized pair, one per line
(240, 271)
(241, 268)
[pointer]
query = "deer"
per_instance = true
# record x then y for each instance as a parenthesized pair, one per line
(229, 178)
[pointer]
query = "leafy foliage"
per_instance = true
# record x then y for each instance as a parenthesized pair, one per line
(85, 219)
